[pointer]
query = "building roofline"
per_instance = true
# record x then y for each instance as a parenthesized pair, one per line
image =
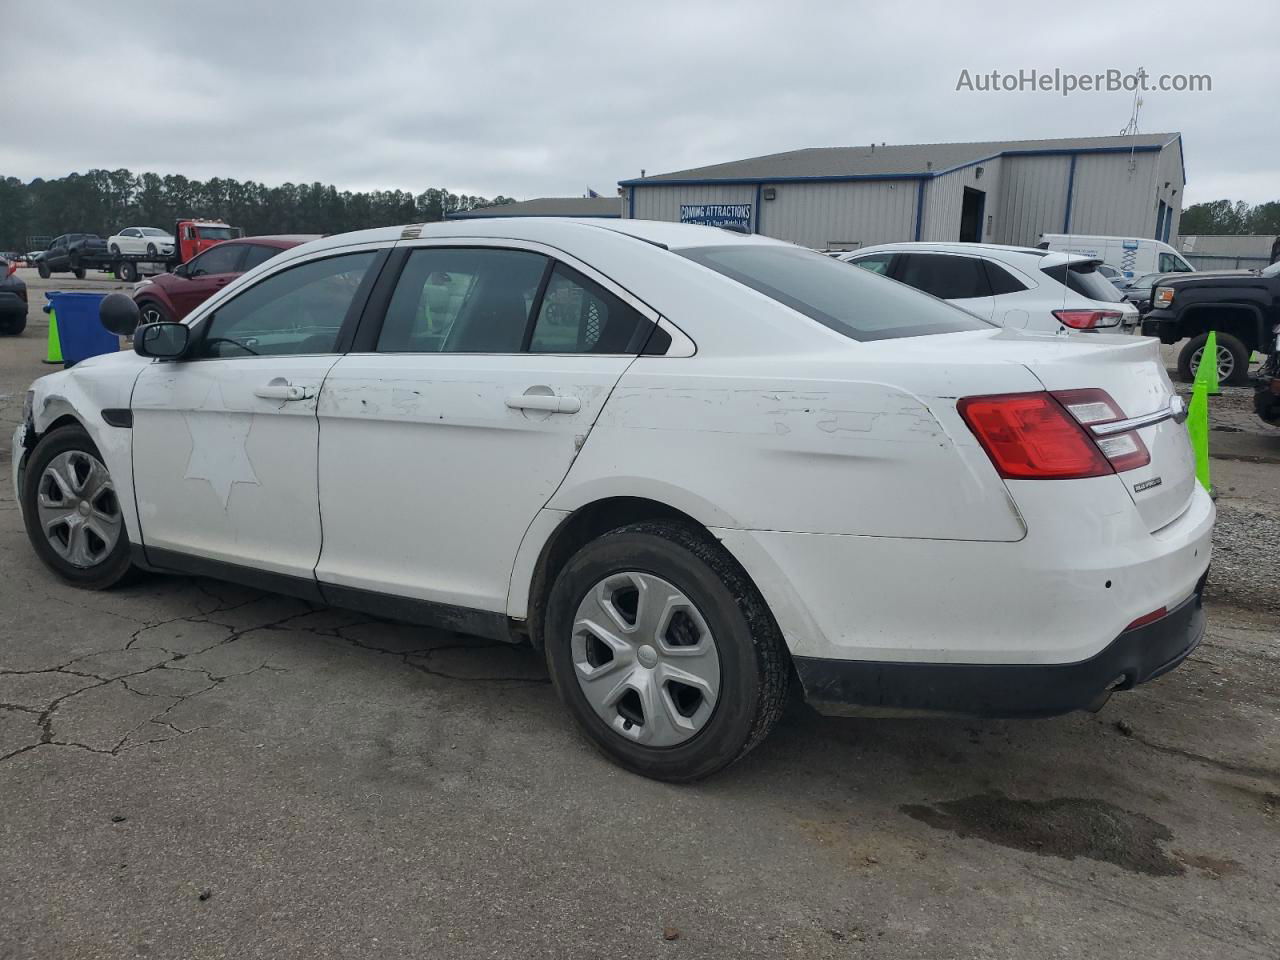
(905, 175)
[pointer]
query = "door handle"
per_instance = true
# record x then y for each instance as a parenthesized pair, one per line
(550, 403)
(283, 390)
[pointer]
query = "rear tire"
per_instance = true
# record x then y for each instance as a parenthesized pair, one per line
(151, 250)
(1233, 360)
(78, 272)
(13, 326)
(42, 268)
(709, 625)
(87, 546)
(115, 249)
(128, 271)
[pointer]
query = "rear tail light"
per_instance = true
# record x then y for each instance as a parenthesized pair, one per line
(1029, 436)
(11, 270)
(1045, 436)
(1089, 319)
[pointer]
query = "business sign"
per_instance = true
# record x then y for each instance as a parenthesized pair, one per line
(736, 216)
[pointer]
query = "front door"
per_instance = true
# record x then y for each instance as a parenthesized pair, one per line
(224, 441)
(206, 275)
(441, 442)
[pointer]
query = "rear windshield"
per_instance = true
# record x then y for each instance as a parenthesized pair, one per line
(1084, 279)
(856, 303)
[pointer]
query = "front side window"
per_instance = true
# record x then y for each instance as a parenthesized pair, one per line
(224, 258)
(462, 300)
(876, 263)
(1171, 263)
(851, 302)
(297, 311)
(579, 316)
(946, 277)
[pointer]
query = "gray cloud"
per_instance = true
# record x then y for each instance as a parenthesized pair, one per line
(549, 98)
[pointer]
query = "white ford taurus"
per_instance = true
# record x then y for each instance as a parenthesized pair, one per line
(689, 465)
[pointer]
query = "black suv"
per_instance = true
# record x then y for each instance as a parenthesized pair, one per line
(13, 299)
(71, 252)
(1244, 307)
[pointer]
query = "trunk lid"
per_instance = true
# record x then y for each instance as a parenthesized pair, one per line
(1131, 371)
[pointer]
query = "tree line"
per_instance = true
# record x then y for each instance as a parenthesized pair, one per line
(105, 201)
(1232, 218)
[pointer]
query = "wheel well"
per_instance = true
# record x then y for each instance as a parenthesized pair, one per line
(66, 420)
(579, 528)
(1241, 322)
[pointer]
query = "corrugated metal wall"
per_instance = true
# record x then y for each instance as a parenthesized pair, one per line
(1113, 195)
(841, 215)
(944, 202)
(1033, 199)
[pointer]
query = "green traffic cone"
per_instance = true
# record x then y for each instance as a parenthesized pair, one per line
(1198, 430)
(1207, 373)
(53, 353)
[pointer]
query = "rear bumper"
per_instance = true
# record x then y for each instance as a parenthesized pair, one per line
(1004, 690)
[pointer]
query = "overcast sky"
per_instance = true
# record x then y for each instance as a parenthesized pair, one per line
(550, 98)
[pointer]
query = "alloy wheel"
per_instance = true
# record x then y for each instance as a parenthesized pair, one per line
(78, 509)
(1226, 362)
(645, 659)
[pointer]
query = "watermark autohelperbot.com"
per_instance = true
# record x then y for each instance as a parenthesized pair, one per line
(1066, 83)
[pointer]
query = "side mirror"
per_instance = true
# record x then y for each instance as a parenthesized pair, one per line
(182, 270)
(163, 341)
(119, 314)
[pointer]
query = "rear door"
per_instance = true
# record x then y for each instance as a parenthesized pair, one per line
(956, 278)
(205, 275)
(458, 413)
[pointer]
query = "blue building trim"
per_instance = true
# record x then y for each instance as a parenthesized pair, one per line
(759, 196)
(919, 208)
(1071, 187)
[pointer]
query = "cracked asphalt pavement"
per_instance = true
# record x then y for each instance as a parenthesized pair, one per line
(190, 769)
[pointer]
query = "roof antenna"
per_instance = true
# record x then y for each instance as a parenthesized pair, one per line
(1131, 130)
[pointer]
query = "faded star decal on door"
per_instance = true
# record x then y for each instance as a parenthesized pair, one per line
(219, 439)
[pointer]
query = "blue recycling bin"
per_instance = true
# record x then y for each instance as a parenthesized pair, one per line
(80, 332)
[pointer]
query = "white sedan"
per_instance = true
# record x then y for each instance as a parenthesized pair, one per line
(141, 241)
(690, 466)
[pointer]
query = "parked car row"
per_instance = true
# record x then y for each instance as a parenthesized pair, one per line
(689, 467)
(13, 298)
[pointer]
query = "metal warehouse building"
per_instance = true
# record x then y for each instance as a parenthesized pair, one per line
(842, 198)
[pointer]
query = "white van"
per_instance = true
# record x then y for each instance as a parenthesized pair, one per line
(1132, 256)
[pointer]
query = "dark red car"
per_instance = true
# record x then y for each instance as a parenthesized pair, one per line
(171, 296)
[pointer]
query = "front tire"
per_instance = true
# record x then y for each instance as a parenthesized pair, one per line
(72, 512)
(1233, 360)
(664, 651)
(151, 250)
(42, 268)
(151, 312)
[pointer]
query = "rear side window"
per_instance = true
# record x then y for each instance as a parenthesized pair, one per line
(946, 277)
(257, 254)
(455, 300)
(851, 302)
(1172, 264)
(1084, 279)
(1001, 280)
(579, 316)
